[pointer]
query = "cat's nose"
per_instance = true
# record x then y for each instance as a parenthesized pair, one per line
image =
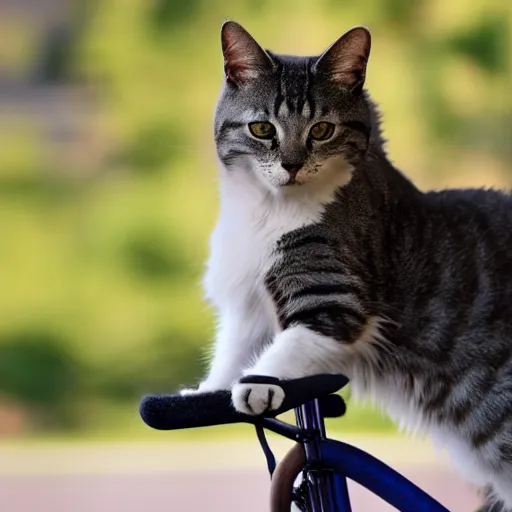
(292, 169)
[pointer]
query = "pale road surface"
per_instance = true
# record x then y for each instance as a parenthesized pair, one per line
(200, 476)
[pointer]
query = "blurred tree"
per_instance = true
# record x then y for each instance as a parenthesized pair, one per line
(152, 148)
(401, 15)
(54, 63)
(167, 362)
(37, 369)
(486, 43)
(148, 254)
(164, 15)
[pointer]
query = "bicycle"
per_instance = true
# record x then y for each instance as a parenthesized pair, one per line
(324, 464)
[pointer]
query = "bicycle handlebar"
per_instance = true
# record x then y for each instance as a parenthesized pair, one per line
(172, 412)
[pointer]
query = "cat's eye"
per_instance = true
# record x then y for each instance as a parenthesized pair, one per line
(321, 131)
(262, 130)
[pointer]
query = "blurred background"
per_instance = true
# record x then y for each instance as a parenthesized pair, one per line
(108, 193)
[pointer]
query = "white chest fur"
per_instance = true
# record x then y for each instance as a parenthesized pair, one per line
(250, 223)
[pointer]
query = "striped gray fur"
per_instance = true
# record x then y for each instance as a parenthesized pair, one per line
(437, 265)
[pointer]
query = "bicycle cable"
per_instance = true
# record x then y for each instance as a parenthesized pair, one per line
(271, 460)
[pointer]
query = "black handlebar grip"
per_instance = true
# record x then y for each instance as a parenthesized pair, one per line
(172, 412)
(332, 406)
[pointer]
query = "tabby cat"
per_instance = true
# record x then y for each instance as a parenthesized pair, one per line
(326, 258)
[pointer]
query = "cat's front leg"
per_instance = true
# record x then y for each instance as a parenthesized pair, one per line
(322, 309)
(296, 352)
(242, 332)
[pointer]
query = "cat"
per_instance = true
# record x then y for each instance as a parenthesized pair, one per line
(327, 259)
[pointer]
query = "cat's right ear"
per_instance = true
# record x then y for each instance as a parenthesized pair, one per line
(244, 58)
(345, 60)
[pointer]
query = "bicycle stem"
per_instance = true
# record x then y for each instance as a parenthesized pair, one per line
(319, 481)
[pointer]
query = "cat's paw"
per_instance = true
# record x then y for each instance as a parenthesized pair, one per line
(189, 391)
(254, 399)
(204, 387)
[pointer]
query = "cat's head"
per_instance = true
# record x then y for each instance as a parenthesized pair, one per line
(291, 120)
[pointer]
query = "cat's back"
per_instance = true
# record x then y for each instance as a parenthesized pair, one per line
(471, 207)
(456, 264)
(471, 221)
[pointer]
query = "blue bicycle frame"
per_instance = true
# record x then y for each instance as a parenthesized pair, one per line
(329, 463)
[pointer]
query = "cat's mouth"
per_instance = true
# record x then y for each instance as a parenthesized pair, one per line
(297, 180)
(293, 183)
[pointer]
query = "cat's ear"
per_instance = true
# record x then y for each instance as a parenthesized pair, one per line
(244, 58)
(345, 60)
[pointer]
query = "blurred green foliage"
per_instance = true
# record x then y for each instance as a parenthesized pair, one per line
(36, 367)
(107, 195)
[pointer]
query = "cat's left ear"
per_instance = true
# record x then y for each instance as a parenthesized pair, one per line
(346, 59)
